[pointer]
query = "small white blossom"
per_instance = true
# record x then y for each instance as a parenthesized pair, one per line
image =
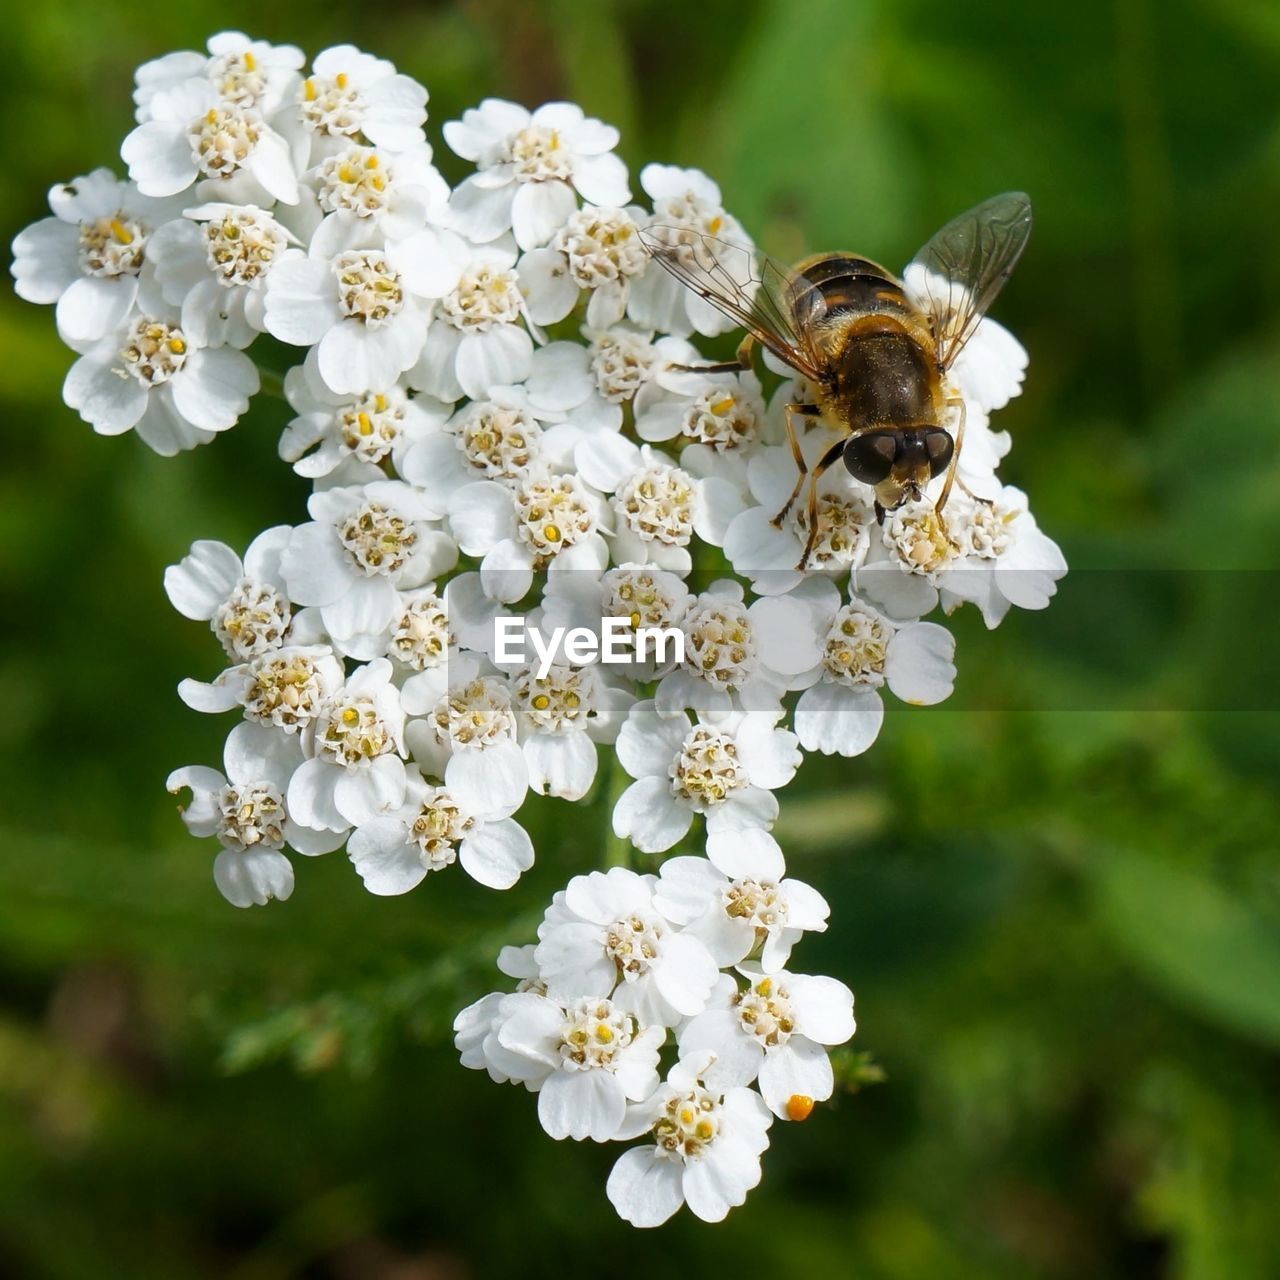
(726, 771)
(151, 377)
(246, 810)
(89, 256)
(364, 544)
(739, 900)
(244, 603)
(706, 1150)
(395, 852)
(529, 167)
(355, 750)
(778, 1029)
(608, 938)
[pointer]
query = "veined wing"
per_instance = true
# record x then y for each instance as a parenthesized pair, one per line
(748, 286)
(962, 269)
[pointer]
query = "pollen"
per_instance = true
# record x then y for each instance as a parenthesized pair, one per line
(340, 79)
(799, 1106)
(541, 702)
(366, 423)
(551, 532)
(177, 346)
(309, 90)
(122, 233)
(249, 62)
(723, 405)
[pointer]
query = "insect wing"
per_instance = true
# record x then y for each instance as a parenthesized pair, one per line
(746, 285)
(961, 270)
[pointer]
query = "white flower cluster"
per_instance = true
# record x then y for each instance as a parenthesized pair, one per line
(697, 954)
(495, 410)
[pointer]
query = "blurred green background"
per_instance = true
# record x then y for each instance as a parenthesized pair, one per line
(1057, 900)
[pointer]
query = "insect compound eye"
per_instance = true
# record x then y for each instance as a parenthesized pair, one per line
(940, 447)
(870, 457)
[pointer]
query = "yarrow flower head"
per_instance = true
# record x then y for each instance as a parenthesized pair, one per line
(499, 400)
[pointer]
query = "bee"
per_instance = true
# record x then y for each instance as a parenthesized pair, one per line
(875, 362)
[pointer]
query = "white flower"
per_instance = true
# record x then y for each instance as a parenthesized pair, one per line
(658, 507)
(352, 95)
(394, 852)
(367, 309)
(350, 436)
(725, 411)
(723, 666)
(478, 339)
(494, 438)
(545, 521)
(354, 745)
(726, 771)
(469, 738)
(529, 167)
(243, 73)
(244, 603)
(607, 937)
(740, 900)
(152, 377)
(779, 1029)
(284, 687)
(89, 256)
(1007, 559)
(990, 553)
(706, 1150)
(590, 1059)
(247, 812)
(646, 597)
(563, 714)
(213, 264)
(193, 135)
(597, 250)
(687, 200)
(476, 1027)
(364, 544)
(841, 655)
(361, 189)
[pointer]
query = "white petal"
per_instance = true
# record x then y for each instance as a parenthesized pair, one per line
(498, 358)
(360, 795)
(647, 742)
(384, 859)
(645, 1187)
(919, 666)
(213, 388)
(310, 797)
(582, 1104)
(202, 579)
(686, 973)
(489, 783)
(838, 721)
(798, 1067)
(539, 210)
(647, 815)
(746, 855)
(824, 1008)
(253, 877)
(561, 764)
(496, 854)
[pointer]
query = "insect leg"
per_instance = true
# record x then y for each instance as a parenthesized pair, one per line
(955, 460)
(827, 460)
(740, 361)
(807, 411)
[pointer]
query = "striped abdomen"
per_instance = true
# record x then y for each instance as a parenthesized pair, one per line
(878, 350)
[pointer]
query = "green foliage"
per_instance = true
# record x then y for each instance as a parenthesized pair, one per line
(1057, 898)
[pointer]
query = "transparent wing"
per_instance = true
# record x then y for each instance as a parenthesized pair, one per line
(962, 269)
(749, 287)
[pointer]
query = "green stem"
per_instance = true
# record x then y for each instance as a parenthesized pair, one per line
(272, 383)
(617, 851)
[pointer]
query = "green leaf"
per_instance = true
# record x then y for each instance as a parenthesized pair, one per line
(1203, 946)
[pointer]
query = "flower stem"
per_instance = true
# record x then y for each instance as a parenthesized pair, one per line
(617, 850)
(272, 383)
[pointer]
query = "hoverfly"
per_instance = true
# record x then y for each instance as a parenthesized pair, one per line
(874, 360)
